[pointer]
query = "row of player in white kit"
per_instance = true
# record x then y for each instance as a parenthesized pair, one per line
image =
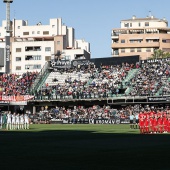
(17, 121)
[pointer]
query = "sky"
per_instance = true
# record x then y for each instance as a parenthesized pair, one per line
(92, 20)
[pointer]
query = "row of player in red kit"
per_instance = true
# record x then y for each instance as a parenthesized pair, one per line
(154, 122)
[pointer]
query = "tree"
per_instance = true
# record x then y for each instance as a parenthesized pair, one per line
(158, 54)
(166, 55)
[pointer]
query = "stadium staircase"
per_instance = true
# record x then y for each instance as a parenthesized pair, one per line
(41, 78)
(160, 91)
(130, 75)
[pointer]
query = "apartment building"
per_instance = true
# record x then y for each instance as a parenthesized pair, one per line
(140, 36)
(31, 46)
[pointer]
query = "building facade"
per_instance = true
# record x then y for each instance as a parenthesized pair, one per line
(32, 46)
(140, 36)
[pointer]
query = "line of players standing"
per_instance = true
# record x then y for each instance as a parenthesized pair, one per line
(14, 121)
(154, 121)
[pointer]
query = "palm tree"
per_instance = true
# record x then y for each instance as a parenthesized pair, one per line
(157, 54)
(166, 55)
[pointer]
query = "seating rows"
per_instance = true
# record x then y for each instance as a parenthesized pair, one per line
(144, 79)
(15, 84)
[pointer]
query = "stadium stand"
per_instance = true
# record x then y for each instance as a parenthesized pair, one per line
(148, 78)
(86, 83)
(13, 84)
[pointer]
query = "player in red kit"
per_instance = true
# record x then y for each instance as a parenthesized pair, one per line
(141, 122)
(151, 121)
(146, 122)
(160, 122)
(155, 123)
(168, 123)
(165, 123)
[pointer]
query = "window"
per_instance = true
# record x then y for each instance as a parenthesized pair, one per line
(146, 24)
(148, 50)
(53, 26)
(37, 57)
(122, 41)
(135, 40)
(45, 32)
(132, 50)
(138, 49)
(38, 66)
(0, 34)
(115, 52)
(139, 24)
(18, 27)
(18, 68)
(33, 57)
(47, 58)
(148, 40)
(166, 49)
(58, 42)
(29, 57)
(28, 67)
(47, 48)
(130, 24)
(166, 40)
(25, 33)
(126, 24)
(18, 49)
(35, 48)
(33, 32)
(156, 40)
(38, 32)
(122, 50)
(18, 58)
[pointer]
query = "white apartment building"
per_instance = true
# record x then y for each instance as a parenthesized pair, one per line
(32, 46)
(140, 36)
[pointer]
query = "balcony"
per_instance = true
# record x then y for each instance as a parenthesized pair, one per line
(114, 36)
(37, 48)
(115, 53)
(135, 45)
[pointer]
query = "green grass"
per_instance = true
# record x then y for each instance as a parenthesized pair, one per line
(83, 147)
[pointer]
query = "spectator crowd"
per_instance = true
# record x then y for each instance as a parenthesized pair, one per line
(95, 112)
(15, 84)
(102, 82)
(151, 78)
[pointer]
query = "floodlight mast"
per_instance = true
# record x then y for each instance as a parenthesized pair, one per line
(7, 38)
(7, 14)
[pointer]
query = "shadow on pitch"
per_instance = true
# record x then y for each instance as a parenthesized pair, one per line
(81, 149)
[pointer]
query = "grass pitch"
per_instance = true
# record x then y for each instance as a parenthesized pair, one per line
(83, 147)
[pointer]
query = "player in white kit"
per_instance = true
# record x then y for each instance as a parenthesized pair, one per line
(9, 121)
(13, 121)
(21, 121)
(26, 121)
(17, 122)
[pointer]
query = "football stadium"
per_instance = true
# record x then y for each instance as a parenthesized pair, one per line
(83, 117)
(62, 109)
